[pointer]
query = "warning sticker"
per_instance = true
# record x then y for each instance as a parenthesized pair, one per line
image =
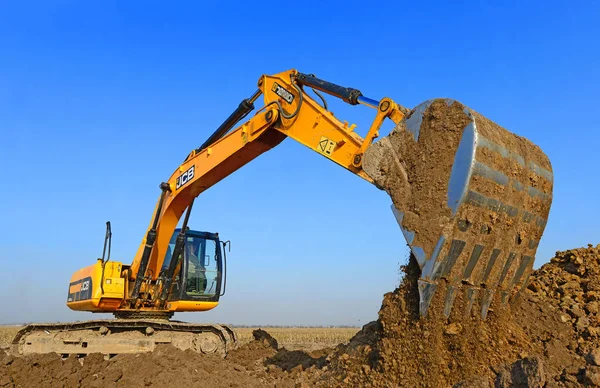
(325, 146)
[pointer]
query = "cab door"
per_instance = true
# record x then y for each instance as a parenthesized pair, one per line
(201, 270)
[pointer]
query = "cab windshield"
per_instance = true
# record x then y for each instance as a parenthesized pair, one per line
(199, 269)
(201, 274)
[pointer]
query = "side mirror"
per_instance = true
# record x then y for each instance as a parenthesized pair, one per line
(225, 244)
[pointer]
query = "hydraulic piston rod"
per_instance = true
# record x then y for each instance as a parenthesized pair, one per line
(350, 95)
(245, 107)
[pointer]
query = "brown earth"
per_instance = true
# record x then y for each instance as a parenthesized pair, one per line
(166, 366)
(549, 338)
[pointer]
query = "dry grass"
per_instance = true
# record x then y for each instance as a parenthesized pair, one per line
(291, 338)
(309, 338)
(6, 334)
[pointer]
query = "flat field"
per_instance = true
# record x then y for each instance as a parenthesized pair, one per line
(301, 338)
(7, 333)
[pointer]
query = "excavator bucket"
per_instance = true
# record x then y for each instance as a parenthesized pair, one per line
(471, 199)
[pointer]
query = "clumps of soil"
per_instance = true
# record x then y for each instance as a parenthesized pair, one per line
(550, 337)
(571, 284)
(402, 349)
(568, 289)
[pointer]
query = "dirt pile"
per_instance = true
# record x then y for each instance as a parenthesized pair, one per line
(569, 288)
(401, 349)
(549, 338)
(571, 282)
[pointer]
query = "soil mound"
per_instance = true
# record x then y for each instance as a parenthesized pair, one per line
(550, 337)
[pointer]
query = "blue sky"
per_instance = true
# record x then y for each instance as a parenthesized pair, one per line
(100, 102)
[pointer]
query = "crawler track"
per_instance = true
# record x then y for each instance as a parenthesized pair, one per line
(117, 336)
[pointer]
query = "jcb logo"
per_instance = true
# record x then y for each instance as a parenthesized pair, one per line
(85, 285)
(283, 93)
(185, 177)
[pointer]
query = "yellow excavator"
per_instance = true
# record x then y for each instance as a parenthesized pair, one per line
(471, 200)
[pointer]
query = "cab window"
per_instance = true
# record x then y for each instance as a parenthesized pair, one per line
(202, 267)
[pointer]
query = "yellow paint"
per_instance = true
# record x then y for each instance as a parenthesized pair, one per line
(228, 154)
(325, 146)
(113, 289)
(186, 305)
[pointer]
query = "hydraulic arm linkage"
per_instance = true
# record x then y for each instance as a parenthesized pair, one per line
(287, 112)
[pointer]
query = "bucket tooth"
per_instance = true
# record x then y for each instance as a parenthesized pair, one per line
(486, 300)
(456, 248)
(521, 287)
(490, 265)
(426, 292)
(471, 198)
(471, 294)
(507, 265)
(450, 296)
(473, 260)
(431, 267)
(525, 261)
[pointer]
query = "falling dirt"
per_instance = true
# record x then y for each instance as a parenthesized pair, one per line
(550, 337)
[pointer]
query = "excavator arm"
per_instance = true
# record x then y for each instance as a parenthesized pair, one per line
(288, 112)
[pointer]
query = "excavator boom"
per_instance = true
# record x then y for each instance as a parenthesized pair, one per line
(288, 112)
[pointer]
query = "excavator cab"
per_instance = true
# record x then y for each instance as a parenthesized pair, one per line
(201, 273)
